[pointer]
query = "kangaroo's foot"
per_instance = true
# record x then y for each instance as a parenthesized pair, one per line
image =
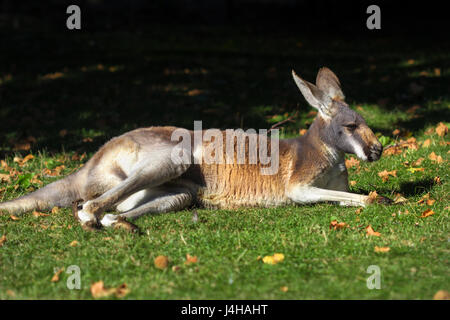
(88, 221)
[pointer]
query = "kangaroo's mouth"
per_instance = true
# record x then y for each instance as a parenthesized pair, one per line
(375, 152)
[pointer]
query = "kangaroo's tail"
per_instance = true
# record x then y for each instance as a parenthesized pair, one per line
(60, 193)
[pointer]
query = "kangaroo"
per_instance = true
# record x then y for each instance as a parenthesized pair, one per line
(135, 173)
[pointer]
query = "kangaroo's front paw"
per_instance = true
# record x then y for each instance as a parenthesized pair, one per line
(384, 200)
(373, 197)
(91, 226)
(121, 223)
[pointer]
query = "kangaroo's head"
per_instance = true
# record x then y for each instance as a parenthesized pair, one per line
(337, 125)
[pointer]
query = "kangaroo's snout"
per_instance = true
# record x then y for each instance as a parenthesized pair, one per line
(375, 151)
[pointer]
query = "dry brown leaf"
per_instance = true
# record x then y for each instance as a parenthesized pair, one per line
(2, 240)
(437, 180)
(98, 290)
(427, 213)
(353, 182)
(337, 225)
(161, 262)
(373, 195)
(441, 295)
(400, 198)
(350, 163)
(55, 210)
(4, 177)
(382, 249)
(430, 202)
(27, 158)
(396, 132)
(371, 232)
(302, 131)
(359, 210)
(190, 259)
(384, 175)
(433, 157)
(418, 162)
(39, 214)
(55, 277)
(14, 218)
(441, 129)
(426, 143)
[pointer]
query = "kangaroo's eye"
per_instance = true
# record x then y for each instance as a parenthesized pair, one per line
(351, 126)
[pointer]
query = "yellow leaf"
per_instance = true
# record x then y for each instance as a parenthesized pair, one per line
(276, 258)
(382, 249)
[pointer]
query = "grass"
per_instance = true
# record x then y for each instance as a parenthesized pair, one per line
(89, 87)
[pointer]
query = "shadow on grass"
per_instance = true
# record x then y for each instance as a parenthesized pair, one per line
(236, 80)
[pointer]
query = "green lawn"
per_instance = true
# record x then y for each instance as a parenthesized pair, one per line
(85, 88)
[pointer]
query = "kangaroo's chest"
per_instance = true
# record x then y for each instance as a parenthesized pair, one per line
(333, 178)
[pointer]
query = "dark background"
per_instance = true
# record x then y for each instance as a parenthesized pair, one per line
(226, 62)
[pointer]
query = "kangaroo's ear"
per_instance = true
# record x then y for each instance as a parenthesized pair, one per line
(315, 97)
(329, 83)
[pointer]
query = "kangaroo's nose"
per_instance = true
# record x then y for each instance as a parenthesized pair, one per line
(375, 152)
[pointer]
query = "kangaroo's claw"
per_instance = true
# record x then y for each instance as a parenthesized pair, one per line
(122, 223)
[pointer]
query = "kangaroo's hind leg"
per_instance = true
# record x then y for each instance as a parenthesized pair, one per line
(174, 200)
(155, 168)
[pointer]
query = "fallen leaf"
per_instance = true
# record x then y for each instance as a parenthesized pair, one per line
(190, 259)
(418, 162)
(399, 199)
(359, 210)
(433, 157)
(437, 180)
(350, 163)
(98, 290)
(39, 214)
(414, 170)
(424, 198)
(13, 217)
(430, 202)
(284, 288)
(382, 249)
(337, 225)
(373, 195)
(161, 262)
(371, 232)
(276, 258)
(427, 213)
(441, 129)
(426, 143)
(352, 183)
(55, 210)
(74, 243)
(55, 277)
(441, 295)
(384, 175)
(302, 131)
(5, 177)
(396, 132)
(2, 240)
